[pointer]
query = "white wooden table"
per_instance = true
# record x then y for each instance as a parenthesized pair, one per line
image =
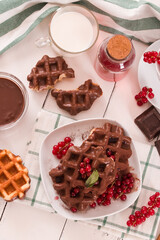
(18, 221)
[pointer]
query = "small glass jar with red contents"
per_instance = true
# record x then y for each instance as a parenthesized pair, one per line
(115, 56)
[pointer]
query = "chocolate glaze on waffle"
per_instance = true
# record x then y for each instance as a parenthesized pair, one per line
(14, 179)
(75, 101)
(47, 72)
(66, 176)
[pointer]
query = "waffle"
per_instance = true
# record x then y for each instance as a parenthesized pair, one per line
(67, 177)
(14, 179)
(75, 101)
(112, 137)
(47, 72)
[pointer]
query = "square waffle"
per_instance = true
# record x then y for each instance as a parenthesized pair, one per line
(75, 101)
(47, 72)
(67, 176)
(14, 179)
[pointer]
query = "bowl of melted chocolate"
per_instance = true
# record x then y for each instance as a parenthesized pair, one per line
(13, 100)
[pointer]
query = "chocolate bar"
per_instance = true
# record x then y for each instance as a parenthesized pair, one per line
(149, 123)
(157, 144)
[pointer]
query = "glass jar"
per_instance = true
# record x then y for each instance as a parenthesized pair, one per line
(115, 56)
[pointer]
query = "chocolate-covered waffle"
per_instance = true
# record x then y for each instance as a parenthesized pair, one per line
(14, 179)
(75, 101)
(108, 151)
(47, 72)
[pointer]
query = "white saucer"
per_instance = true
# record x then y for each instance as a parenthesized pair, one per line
(48, 161)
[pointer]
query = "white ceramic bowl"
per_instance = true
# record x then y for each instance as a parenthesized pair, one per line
(48, 161)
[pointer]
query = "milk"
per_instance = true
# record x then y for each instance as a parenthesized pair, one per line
(72, 31)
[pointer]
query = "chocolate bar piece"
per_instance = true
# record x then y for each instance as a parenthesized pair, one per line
(157, 144)
(149, 123)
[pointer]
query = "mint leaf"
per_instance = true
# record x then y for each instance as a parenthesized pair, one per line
(93, 178)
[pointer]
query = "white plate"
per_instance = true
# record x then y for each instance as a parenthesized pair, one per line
(148, 76)
(79, 130)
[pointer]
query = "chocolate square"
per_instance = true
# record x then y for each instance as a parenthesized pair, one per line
(149, 123)
(157, 144)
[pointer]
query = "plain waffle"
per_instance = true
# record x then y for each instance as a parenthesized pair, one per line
(75, 101)
(47, 72)
(14, 179)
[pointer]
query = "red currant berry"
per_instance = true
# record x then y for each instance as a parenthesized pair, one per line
(82, 165)
(113, 157)
(118, 183)
(150, 89)
(61, 144)
(76, 190)
(82, 170)
(144, 210)
(88, 168)
(129, 223)
(73, 194)
(151, 95)
(145, 59)
(149, 60)
(137, 97)
(139, 221)
(132, 218)
(123, 197)
(139, 103)
(144, 89)
(158, 204)
(150, 203)
(99, 201)
(55, 149)
(119, 190)
(64, 151)
(93, 205)
(67, 139)
(109, 196)
(143, 218)
(144, 100)
(158, 61)
(137, 213)
(151, 212)
(157, 194)
(86, 160)
(152, 198)
(73, 209)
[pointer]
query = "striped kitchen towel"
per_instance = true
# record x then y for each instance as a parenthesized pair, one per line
(116, 224)
(138, 19)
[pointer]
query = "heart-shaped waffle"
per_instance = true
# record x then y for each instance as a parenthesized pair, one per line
(67, 175)
(14, 179)
(47, 72)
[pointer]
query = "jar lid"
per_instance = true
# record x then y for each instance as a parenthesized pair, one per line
(119, 47)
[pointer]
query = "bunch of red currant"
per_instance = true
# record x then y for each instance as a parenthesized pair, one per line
(151, 57)
(85, 168)
(141, 97)
(145, 212)
(117, 190)
(61, 148)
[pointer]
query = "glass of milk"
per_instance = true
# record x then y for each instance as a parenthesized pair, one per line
(73, 29)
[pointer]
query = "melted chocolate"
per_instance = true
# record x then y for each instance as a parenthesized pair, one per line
(11, 101)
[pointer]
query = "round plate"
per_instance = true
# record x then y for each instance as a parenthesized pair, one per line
(148, 76)
(78, 131)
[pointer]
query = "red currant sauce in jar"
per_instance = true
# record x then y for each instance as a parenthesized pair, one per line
(115, 55)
